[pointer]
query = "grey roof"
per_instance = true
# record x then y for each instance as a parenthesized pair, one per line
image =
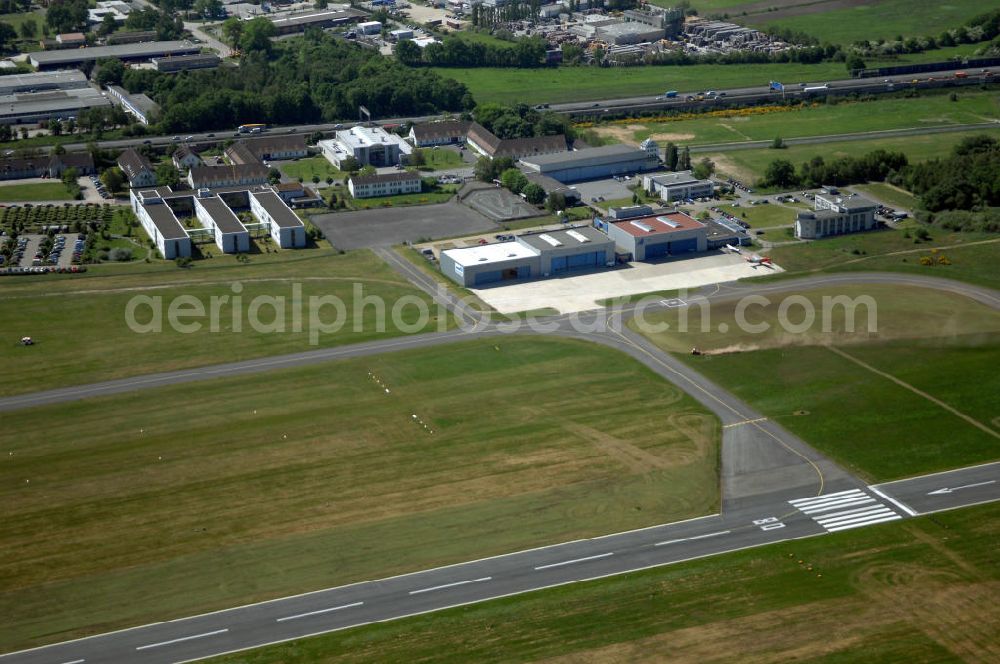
(73, 56)
(13, 83)
(132, 163)
(221, 215)
(565, 238)
(197, 60)
(674, 179)
(165, 221)
(436, 130)
(51, 101)
(854, 203)
(138, 100)
(280, 213)
(402, 176)
(607, 154)
(205, 176)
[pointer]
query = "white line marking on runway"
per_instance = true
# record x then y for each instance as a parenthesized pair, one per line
(696, 537)
(822, 497)
(316, 613)
(948, 490)
(576, 560)
(75, 661)
(450, 585)
(893, 517)
(893, 501)
(183, 638)
(840, 504)
(838, 520)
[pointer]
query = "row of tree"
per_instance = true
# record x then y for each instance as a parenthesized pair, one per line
(523, 53)
(967, 178)
(521, 121)
(876, 165)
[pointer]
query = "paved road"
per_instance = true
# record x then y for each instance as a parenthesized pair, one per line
(775, 488)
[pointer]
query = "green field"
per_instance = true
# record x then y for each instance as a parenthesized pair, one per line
(567, 84)
(818, 119)
(920, 592)
(973, 256)
(444, 195)
(293, 480)
(941, 344)
(306, 169)
(39, 191)
(439, 159)
(749, 165)
(885, 19)
(888, 195)
(82, 336)
(764, 216)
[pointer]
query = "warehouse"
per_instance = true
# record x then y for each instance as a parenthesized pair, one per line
(74, 57)
(139, 105)
(295, 23)
(30, 108)
(41, 81)
(230, 235)
(160, 224)
(657, 236)
(592, 163)
(677, 186)
(174, 63)
(530, 255)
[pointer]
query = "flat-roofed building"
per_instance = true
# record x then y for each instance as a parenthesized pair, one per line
(386, 184)
(371, 146)
(677, 186)
(327, 18)
(836, 215)
(43, 81)
(74, 57)
(592, 163)
(659, 235)
(230, 235)
(160, 224)
(138, 105)
(530, 255)
(62, 104)
(285, 226)
(175, 63)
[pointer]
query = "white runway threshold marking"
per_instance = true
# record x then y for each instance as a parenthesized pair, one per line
(450, 585)
(75, 661)
(696, 537)
(576, 560)
(846, 509)
(183, 638)
(319, 612)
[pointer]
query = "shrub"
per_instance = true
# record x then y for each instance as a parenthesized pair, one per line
(120, 254)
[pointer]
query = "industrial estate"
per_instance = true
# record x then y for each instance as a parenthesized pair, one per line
(461, 330)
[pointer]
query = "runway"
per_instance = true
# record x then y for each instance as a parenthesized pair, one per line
(775, 488)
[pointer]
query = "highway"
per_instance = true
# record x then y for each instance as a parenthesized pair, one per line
(775, 488)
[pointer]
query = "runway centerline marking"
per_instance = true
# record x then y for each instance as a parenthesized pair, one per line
(320, 611)
(183, 638)
(75, 661)
(575, 560)
(696, 537)
(450, 585)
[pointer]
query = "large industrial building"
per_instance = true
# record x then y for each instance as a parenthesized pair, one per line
(327, 18)
(33, 107)
(139, 105)
(74, 57)
(677, 186)
(592, 163)
(834, 215)
(175, 63)
(530, 255)
(658, 236)
(157, 209)
(42, 81)
(369, 145)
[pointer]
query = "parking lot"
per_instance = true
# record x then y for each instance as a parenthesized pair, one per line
(581, 292)
(609, 189)
(32, 250)
(501, 205)
(388, 226)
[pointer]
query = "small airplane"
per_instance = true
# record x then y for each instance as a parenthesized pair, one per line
(733, 249)
(757, 259)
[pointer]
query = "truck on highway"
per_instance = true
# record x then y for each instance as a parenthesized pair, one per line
(961, 74)
(810, 89)
(670, 94)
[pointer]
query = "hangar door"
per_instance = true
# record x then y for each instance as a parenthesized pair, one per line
(657, 250)
(577, 261)
(522, 272)
(684, 246)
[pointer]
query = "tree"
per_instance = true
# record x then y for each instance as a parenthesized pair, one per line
(321, 4)
(113, 179)
(778, 143)
(257, 35)
(59, 149)
(703, 169)
(67, 15)
(232, 31)
(69, 176)
(854, 61)
(166, 175)
(670, 157)
(274, 176)
(513, 180)
(7, 35)
(55, 126)
(110, 72)
(367, 170)
(208, 9)
(349, 165)
(556, 201)
(417, 158)
(684, 163)
(29, 29)
(108, 25)
(780, 173)
(408, 53)
(533, 193)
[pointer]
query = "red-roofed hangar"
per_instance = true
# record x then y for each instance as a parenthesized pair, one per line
(658, 236)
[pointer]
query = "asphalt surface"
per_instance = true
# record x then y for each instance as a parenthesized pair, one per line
(775, 488)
